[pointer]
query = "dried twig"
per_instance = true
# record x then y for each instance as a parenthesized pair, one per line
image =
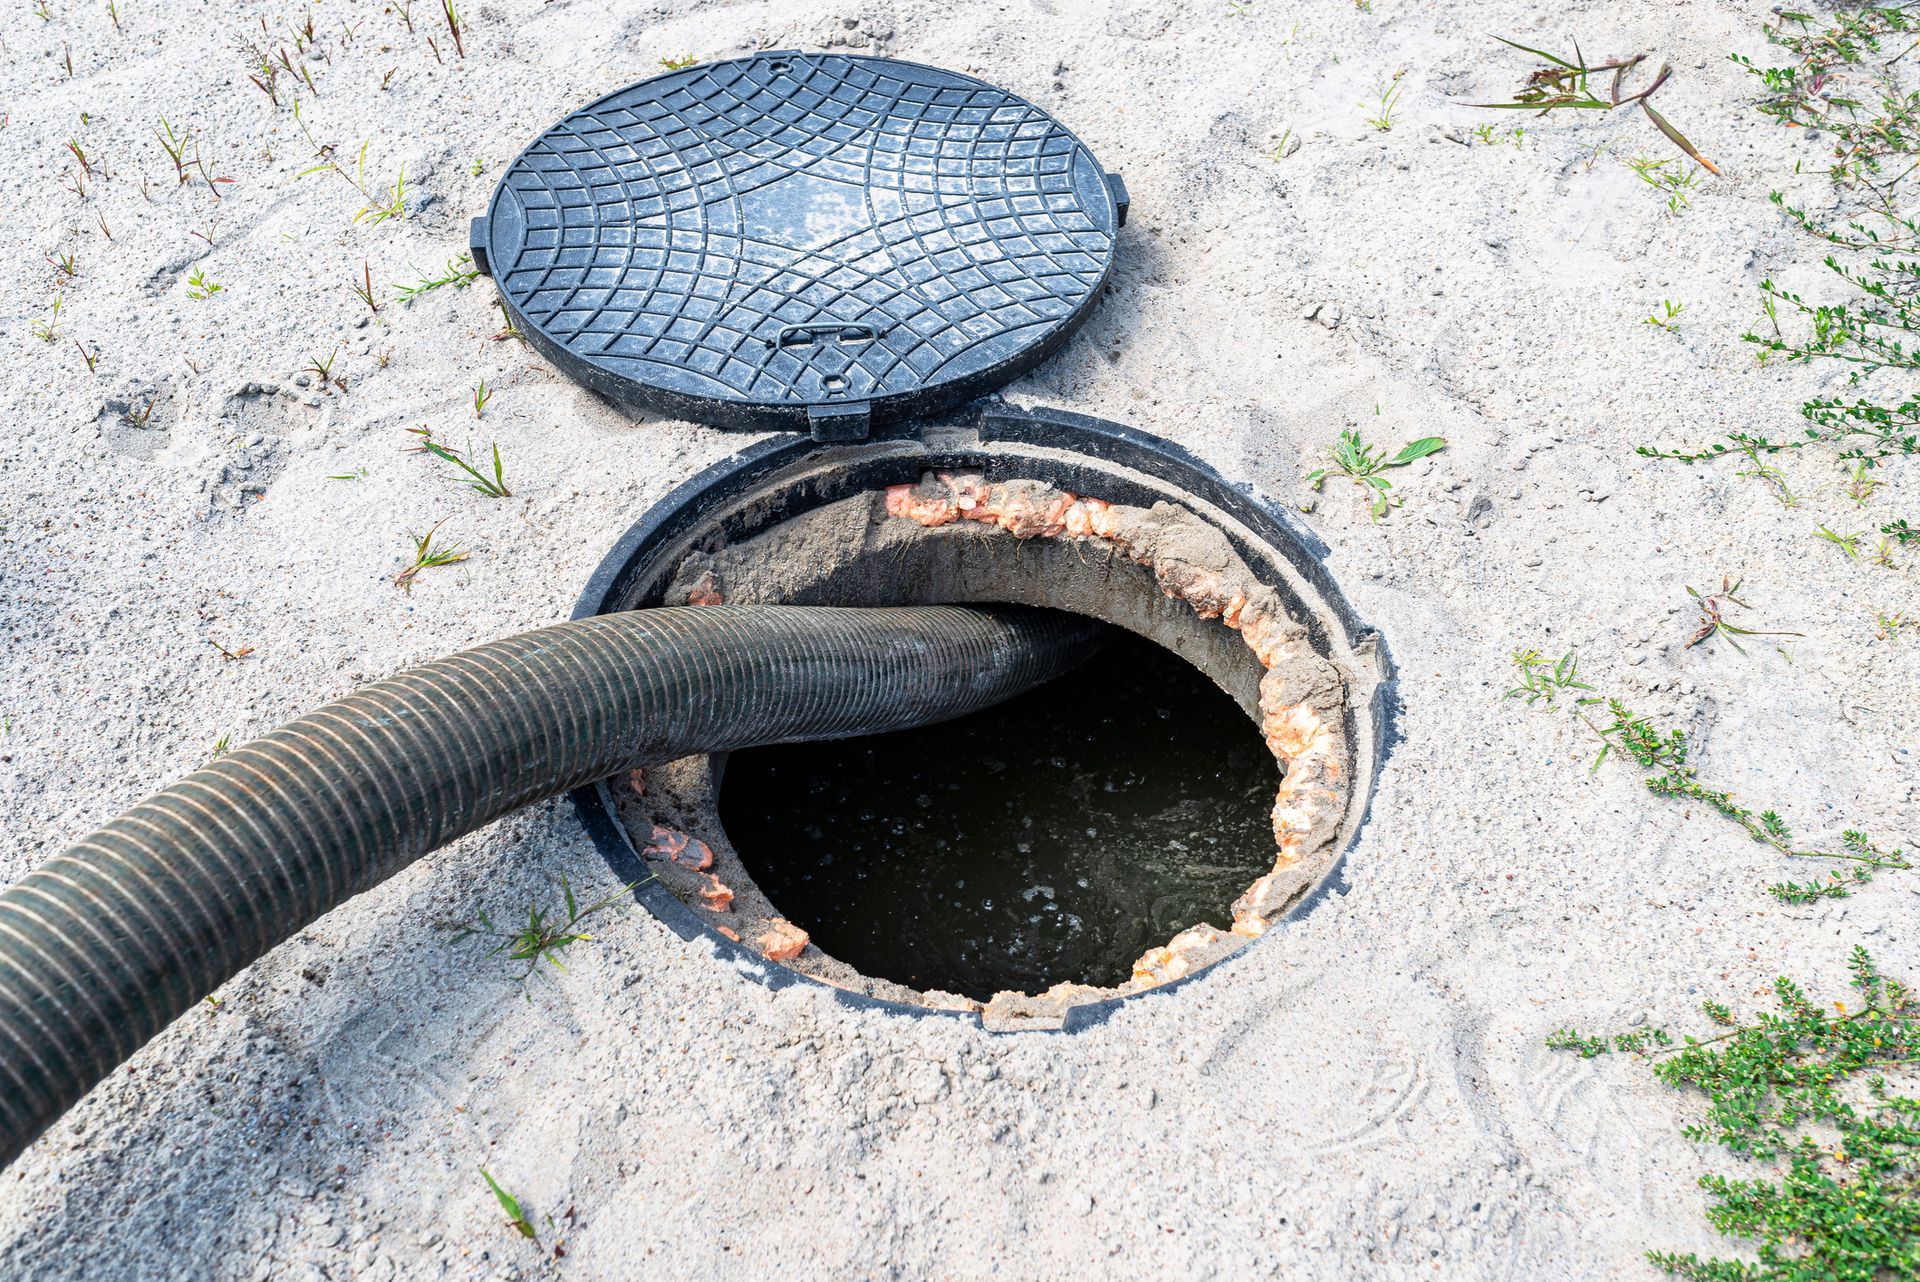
(1564, 84)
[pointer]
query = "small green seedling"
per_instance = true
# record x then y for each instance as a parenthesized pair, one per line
(265, 76)
(1772, 477)
(460, 273)
(455, 28)
(174, 143)
(544, 937)
(92, 358)
(1382, 117)
(323, 370)
(1848, 543)
(1713, 623)
(201, 287)
(1676, 185)
(358, 474)
(1860, 486)
(1541, 680)
(363, 288)
(480, 398)
(426, 556)
(494, 487)
(507, 328)
(1668, 318)
(1487, 136)
(516, 1218)
(47, 330)
(220, 747)
(390, 204)
(679, 64)
(1357, 461)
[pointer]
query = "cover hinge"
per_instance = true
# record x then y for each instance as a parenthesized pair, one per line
(849, 422)
(477, 245)
(1117, 186)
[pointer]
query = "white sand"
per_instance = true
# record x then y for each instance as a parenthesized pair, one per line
(1364, 1095)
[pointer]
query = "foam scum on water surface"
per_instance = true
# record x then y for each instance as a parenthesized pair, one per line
(1302, 737)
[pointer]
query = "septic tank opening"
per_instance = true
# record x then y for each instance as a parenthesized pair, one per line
(1052, 839)
(1160, 571)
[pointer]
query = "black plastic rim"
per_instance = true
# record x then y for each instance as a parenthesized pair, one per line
(1076, 452)
(806, 242)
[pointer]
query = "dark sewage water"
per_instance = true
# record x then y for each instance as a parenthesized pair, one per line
(1054, 837)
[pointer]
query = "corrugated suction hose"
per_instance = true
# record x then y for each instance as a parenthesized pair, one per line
(108, 943)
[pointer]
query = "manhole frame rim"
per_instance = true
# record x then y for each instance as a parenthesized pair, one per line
(669, 518)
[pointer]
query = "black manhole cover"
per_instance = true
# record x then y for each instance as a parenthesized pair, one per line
(801, 241)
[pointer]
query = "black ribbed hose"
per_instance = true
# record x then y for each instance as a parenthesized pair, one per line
(108, 943)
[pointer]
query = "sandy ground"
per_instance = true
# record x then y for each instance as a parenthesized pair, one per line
(1363, 1095)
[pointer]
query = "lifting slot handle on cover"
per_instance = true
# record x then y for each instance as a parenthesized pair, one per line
(808, 335)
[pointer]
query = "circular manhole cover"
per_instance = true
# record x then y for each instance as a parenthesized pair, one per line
(795, 240)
